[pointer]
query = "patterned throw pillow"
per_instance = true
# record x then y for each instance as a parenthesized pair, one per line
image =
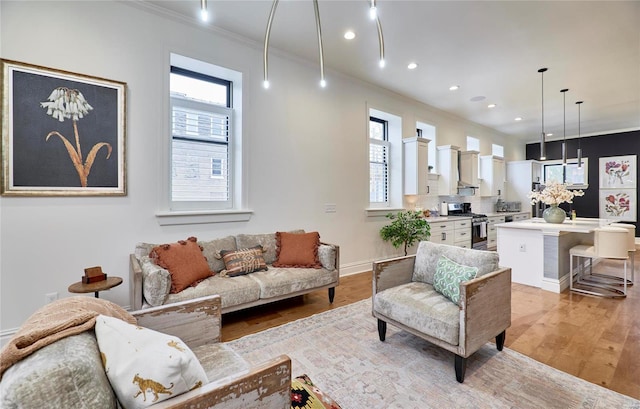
(185, 262)
(145, 366)
(448, 277)
(305, 395)
(242, 261)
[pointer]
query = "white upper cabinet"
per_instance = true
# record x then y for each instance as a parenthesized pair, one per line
(492, 172)
(448, 169)
(417, 180)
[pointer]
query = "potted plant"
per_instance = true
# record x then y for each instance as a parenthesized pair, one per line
(406, 228)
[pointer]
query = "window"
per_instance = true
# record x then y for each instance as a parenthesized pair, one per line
(378, 161)
(473, 144)
(575, 176)
(384, 143)
(497, 150)
(201, 140)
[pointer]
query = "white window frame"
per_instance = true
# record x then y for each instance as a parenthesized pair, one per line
(430, 132)
(473, 143)
(239, 211)
(571, 162)
(497, 150)
(394, 186)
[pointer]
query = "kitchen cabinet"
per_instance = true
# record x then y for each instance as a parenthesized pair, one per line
(492, 172)
(448, 169)
(469, 167)
(521, 216)
(452, 232)
(492, 231)
(417, 179)
(521, 175)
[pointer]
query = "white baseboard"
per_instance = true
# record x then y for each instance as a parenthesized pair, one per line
(355, 268)
(6, 335)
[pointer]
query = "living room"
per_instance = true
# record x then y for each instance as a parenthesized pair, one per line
(303, 151)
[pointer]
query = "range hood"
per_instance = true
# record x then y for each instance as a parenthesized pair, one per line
(464, 176)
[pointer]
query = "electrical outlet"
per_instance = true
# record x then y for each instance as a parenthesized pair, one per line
(330, 208)
(50, 297)
(523, 248)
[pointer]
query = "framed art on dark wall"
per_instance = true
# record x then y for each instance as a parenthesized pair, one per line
(63, 134)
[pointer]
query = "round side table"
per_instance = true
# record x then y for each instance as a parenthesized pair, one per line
(96, 287)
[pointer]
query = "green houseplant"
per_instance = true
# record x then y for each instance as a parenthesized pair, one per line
(407, 227)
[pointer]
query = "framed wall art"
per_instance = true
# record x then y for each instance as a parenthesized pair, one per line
(617, 172)
(617, 196)
(63, 134)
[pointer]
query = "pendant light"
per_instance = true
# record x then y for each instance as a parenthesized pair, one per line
(579, 148)
(543, 153)
(564, 129)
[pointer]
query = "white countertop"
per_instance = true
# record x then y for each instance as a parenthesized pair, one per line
(445, 218)
(493, 214)
(579, 225)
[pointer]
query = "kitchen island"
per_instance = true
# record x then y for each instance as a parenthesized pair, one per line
(538, 252)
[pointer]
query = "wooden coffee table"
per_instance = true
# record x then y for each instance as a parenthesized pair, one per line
(96, 287)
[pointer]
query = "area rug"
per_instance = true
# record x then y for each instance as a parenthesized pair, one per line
(341, 353)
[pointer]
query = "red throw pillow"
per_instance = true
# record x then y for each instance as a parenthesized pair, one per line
(184, 261)
(297, 250)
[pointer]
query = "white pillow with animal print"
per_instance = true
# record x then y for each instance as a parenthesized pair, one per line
(145, 366)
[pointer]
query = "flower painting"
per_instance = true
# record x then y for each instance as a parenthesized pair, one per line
(618, 204)
(618, 172)
(65, 133)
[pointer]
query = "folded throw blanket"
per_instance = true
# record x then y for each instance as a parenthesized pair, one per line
(59, 319)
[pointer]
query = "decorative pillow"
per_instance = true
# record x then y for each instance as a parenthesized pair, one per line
(156, 282)
(185, 262)
(448, 277)
(242, 261)
(327, 256)
(305, 395)
(145, 366)
(211, 251)
(297, 250)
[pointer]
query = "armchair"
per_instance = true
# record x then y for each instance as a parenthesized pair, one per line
(404, 296)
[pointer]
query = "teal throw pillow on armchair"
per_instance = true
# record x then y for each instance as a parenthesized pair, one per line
(448, 277)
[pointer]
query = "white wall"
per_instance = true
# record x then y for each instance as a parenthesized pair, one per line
(304, 147)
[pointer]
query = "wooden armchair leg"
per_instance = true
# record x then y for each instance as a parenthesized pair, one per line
(461, 367)
(500, 340)
(332, 294)
(382, 329)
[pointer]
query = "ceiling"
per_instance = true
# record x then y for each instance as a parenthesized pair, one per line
(491, 49)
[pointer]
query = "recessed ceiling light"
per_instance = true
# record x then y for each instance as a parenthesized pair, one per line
(549, 134)
(517, 118)
(491, 106)
(454, 87)
(349, 35)
(412, 66)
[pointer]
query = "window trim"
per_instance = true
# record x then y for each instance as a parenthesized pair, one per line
(386, 144)
(241, 212)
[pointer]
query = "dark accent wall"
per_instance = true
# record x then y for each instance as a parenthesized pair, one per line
(593, 147)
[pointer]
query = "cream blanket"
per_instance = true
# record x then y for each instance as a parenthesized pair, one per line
(59, 319)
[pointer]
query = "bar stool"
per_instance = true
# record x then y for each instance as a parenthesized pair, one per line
(609, 242)
(613, 280)
(631, 229)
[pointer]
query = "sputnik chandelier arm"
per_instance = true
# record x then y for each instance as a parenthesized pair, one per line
(323, 83)
(265, 53)
(380, 42)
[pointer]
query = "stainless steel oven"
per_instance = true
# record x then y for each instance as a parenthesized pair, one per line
(478, 223)
(479, 231)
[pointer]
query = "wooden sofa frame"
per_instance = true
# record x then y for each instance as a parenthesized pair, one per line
(198, 322)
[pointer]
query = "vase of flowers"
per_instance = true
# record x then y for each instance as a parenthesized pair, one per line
(553, 194)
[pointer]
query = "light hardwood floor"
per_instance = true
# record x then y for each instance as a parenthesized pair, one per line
(596, 339)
